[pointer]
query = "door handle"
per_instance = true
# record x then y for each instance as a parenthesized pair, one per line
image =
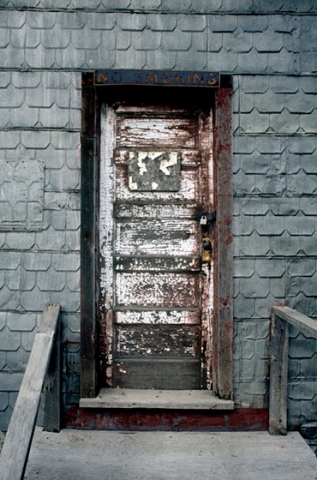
(206, 250)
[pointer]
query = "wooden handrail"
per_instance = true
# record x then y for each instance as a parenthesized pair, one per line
(18, 440)
(280, 320)
(298, 320)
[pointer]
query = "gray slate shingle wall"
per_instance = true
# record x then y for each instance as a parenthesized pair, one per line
(272, 44)
(270, 49)
(39, 261)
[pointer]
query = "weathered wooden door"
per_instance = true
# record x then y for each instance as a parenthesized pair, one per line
(156, 174)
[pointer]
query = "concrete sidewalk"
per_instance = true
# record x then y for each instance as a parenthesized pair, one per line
(79, 455)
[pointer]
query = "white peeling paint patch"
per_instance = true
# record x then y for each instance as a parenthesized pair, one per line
(162, 289)
(157, 264)
(107, 195)
(156, 237)
(132, 185)
(141, 165)
(168, 163)
(158, 340)
(154, 317)
(107, 182)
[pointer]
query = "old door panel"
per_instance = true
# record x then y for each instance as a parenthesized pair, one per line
(157, 340)
(156, 237)
(145, 130)
(157, 289)
(160, 374)
(157, 317)
(189, 191)
(156, 299)
(155, 264)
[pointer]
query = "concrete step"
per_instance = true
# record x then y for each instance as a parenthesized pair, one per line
(128, 455)
(162, 399)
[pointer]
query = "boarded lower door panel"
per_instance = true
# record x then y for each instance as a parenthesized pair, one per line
(157, 373)
(157, 356)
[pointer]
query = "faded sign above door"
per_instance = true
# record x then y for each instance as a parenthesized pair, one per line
(165, 78)
(154, 171)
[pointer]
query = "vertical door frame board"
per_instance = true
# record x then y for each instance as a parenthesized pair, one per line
(223, 323)
(89, 247)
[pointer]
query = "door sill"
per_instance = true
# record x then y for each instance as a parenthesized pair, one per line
(157, 399)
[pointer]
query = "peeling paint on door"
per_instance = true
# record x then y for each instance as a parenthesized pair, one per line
(149, 171)
(156, 298)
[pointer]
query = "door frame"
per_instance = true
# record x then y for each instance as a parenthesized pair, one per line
(222, 374)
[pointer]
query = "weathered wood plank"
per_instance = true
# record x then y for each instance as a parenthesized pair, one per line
(88, 265)
(89, 241)
(155, 211)
(142, 130)
(157, 289)
(154, 317)
(158, 237)
(159, 108)
(163, 340)
(52, 387)
(106, 239)
(16, 448)
(278, 376)
(171, 374)
(282, 316)
(223, 337)
(88, 119)
(158, 264)
(297, 319)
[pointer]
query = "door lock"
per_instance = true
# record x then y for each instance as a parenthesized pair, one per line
(206, 219)
(203, 220)
(207, 250)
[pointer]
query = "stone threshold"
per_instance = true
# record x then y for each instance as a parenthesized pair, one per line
(158, 399)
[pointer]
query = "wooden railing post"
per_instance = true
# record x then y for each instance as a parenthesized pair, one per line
(278, 376)
(282, 316)
(52, 387)
(18, 440)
